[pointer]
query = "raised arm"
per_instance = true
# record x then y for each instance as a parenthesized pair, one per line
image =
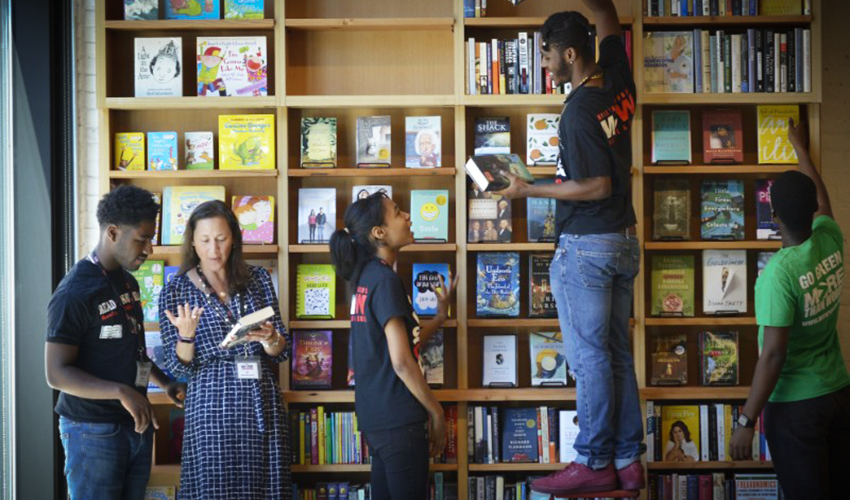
(798, 135)
(604, 17)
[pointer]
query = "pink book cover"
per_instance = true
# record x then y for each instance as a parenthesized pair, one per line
(256, 218)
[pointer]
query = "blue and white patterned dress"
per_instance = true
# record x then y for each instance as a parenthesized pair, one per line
(236, 439)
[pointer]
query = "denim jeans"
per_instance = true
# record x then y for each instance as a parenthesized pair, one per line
(399, 462)
(106, 461)
(592, 279)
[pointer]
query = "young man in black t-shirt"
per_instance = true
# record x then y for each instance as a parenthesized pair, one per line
(95, 355)
(598, 255)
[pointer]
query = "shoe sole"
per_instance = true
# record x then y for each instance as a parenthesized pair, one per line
(575, 491)
(633, 486)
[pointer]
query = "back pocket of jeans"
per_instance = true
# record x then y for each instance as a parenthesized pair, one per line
(596, 268)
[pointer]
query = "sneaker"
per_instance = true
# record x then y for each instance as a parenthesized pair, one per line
(577, 478)
(632, 477)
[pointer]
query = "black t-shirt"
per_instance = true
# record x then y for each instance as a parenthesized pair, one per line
(84, 311)
(594, 136)
(381, 401)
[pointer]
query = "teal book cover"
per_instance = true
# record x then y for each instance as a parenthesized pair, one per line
(671, 137)
(162, 150)
(722, 210)
(243, 9)
(192, 9)
(429, 213)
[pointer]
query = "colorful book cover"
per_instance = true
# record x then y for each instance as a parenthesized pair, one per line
(429, 215)
(178, 203)
(130, 151)
(158, 68)
(766, 227)
(757, 486)
(169, 274)
(499, 367)
(374, 141)
(154, 352)
(318, 142)
(192, 9)
(349, 377)
(672, 285)
(141, 10)
(668, 61)
(363, 192)
(671, 137)
(519, 435)
(722, 136)
(548, 359)
(489, 171)
(426, 281)
(568, 427)
(724, 280)
(162, 150)
(160, 492)
(316, 214)
(256, 218)
(315, 291)
(671, 216)
(246, 142)
(312, 359)
(243, 9)
(722, 210)
(232, 66)
(773, 144)
(422, 142)
(541, 302)
(431, 359)
(150, 277)
(489, 217)
(670, 360)
(492, 136)
(200, 150)
(718, 361)
(542, 139)
(680, 433)
(498, 289)
(540, 217)
(780, 7)
(763, 259)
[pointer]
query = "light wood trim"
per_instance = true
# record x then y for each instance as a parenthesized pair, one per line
(370, 101)
(340, 324)
(638, 325)
(709, 21)
(191, 25)
(513, 100)
(516, 467)
(702, 321)
(104, 148)
(519, 394)
(691, 392)
(100, 53)
(514, 323)
(172, 103)
(372, 172)
(745, 464)
(734, 98)
(165, 475)
(817, 53)
(246, 250)
(388, 23)
(542, 171)
(718, 169)
(520, 22)
(416, 247)
(511, 247)
(190, 174)
(354, 468)
(713, 245)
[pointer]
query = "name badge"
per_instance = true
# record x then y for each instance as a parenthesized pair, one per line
(248, 368)
(143, 373)
(108, 332)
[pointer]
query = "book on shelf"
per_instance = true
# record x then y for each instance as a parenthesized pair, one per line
(488, 214)
(422, 142)
(757, 486)
(670, 360)
(541, 302)
(318, 142)
(668, 59)
(722, 210)
(362, 192)
(724, 278)
(671, 215)
(762, 260)
(316, 214)
(200, 150)
(568, 433)
(722, 136)
(542, 138)
(162, 150)
(671, 137)
(672, 284)
(130, 151)
(160, 493)
(151, 280)
(548, 359)
(488, 171)
(312, 359)
(766, 226)
(192, 9)
(773, 144)
(718, 358)
(270, 265)
(432, 359)
(232, 66)
(256, 217)
(246, 142)
(141, 10)
(315, 291)
(429, 215)
(497, 284)
(492, 136)
(780, 7)
(243, 9)
(247, 324)
(426, 283)
(350, 380)
(158, 67)
(500, 361)
(322, 437)
(680, 433)
(169, 274)
(157, 198)
(540, 217)
(155, 353)
(374, 141)
(519, 435)
(177, 205)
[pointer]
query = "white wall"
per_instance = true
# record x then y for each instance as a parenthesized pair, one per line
(87, 132)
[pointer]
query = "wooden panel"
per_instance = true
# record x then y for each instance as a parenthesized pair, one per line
(720, 21)
(715, 170)
(191, 25)
(173, 104)
(390, 23)
(726, 98)
(374, 173)
(746, 464)
(370, 101)
(329, 9)
(191, 174)
(706, 245)
(519, 22)
(416, 247)
(692, 393)
(509, 467)
(544, 8)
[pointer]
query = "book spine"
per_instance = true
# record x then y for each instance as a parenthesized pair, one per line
(488, 62)
(751, 59)
(727, 63)
(703, 432)
(502, 69)
(698, 61)
(523, 62)
(495, 432)
(494, 65)
(471, 78)
(479, 436)
(650, 431)
(553, 435)
(798, 58)
(759, 60)
(658, 445)
(783, 62)
(769, 52)
(807, 7)
(712, 433)
(314, 436)
(721, 63)
(712, 50)
(735, 62)
(488, 435)
(714, 7)
(539, 438)
(721, 433)
(727, 430)
(745, 63)
(791, 59)
(544, 423)
(777, 62)
(470, 434)
(807, 60)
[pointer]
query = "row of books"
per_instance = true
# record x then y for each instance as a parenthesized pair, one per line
(521, 435)
(660, 8)
(148, 10)
(714, 486)
(718, 359)
(438, 489)
(320, 437)
(490, 217)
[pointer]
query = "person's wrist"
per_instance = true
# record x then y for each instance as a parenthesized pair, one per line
(186, 339)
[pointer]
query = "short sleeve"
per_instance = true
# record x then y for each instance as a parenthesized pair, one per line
(389, 300)
(589, 152)
(826, 225)
(68, 318)
(775, 300)
(269, 298)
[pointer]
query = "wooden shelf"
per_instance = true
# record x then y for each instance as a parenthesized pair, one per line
(513, 322)
(679, 21)
(191, 174)
(511, 247)
(745, 464)
(246, 250)
(341, 324)
(191, 25)
(730, 98)
(416, 247)
(718, 169)
(514, 467)
(354, 468)
(319, 397)
(713, 245)
(514, 100)
(194, 102)
(444, 395)
(374, 24)
(372, 172)
(520, 22)
(370, 101)
(695, 392)
(165, 475)
(703, 321)
(542, 171)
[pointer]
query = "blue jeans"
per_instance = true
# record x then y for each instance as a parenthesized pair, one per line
(592, 278)
(106, 461)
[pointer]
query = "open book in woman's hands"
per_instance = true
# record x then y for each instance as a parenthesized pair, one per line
(246, 325)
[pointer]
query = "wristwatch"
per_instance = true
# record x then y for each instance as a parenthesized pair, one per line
(744, 421)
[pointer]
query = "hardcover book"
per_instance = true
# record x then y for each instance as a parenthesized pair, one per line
(724, 279)
(374, 141)
(178, 203)
(170, 273)
(200, 150)
(246, 142)
(316, 214)
(363, 192)
(256, 218)
(246, 324)
(757, 486)
(671, 137)
(162, 150)
(780, 7)
(232, 66)
(312, 359)
(773, 144)
(492, 136)
(722, 136)
(243, 9)
(315, 291)
(158, 67)
(722, 210)
(548, 359)
(671, 217)
(541, 303)
(426, 282)
(542, 139)
(568, 427)
(499, 353)
(150, 277)
(130, 151)
(498, 288)
(422, 142)
(488, 171)
(429, 215)
(154, 351)
(766, 227)
(672, 285)
(540, 218)
(670, 360)
(680, 433)
(668, 61)
(192, 9)
(489, 217)
(519, 435)
(763, 259)
(141, 10)
(431, 359)
(718, 358)
(318, 142)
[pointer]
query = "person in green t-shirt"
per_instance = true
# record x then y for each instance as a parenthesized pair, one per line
(800, 379)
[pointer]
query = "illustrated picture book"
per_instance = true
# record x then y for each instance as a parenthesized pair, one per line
(243, 9)
(542, 138)
(497, 284)
(429, 215)
(232, 66)
(426, 281)
(199, 151)
(256, 218)
(318, 142)
(312, 359)
(150, 277)
(362, 192)
(158, 64)
(246, 142)
(178, 203)
(374, 141)
(423, 148)
(192, 9)
(315, 291)
(130, 151)
(162, 150)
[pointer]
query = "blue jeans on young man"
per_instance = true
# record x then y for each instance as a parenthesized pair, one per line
(592, 279)
(105, 461)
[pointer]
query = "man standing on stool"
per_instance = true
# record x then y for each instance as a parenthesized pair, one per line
(598, 254)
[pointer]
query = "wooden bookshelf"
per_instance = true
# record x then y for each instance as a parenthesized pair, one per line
(718, 169)
(191, 25)
(737, 465)
(713, 245)
(387, 23)
(186, 103)
(516, 467)
(191, 174)
(714, 21)
(372, 172)
(687, 392)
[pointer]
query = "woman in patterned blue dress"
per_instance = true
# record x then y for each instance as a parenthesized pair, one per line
(236, 443)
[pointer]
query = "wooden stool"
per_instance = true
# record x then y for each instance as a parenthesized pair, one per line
(600, 494)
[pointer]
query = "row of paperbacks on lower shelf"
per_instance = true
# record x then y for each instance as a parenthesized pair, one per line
(714, 486)
(521, 435)
(696, 433)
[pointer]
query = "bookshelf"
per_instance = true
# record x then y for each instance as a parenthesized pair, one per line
(406, 57)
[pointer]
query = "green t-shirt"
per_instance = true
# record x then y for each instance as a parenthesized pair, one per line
(800, 288)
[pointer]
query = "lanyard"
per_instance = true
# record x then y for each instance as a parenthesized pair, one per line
(229, 319)
(129, 321)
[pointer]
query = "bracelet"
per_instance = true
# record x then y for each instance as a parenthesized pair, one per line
(185, 340)
(273, 344)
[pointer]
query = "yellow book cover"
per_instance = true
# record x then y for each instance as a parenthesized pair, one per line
(680, 433)
(773, 144)
(322, 439)
(246, 142)
(780, 7)
(130, 151)
(727, 429)
(178, 203)
(302, 455)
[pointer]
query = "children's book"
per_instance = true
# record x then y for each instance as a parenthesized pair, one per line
(162, 150)
(766, 226)
(422, 142)
(488, 171)
(130, 151)
(724, 279)
(170, 273)
(431, 359)
(718, 358)
(154, 351)
(160, 492)
(670, 360)
(671, 137)
(192, 9)
(668, 61)
(312, 359)
(318, 142)
(548, 359)
(315, 291)
(540, 217)
(426, 283)
(178, 203)
(773, 144)
(246, 142)
(243, 9)
(722, 207)
(671, 215)
(141, 10)
(722, 136)
(150, 279)
(374, 141)
(498, 289)
(362, 192)
(199, 150)
(157, 198)
(672, 284)
(519, 435)
(492, 135)
(256, 218)
(500, 366)
(542, 139)
(316, 214)
(680, 433)
(232, 66)
(489, 217)
(541, 303)
(429, 215)
(158, 67)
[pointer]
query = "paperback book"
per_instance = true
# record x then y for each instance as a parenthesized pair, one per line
(318, 142)
(141, 10)
(200, 150)
(488, 171)
(542, 139)
(672, 285)
(722, 210)
(247, 324)
(162, 150)
(429, 215)
(422, 142)
(426, 283)
(150, 277)
(541, 303)
(568, 426)
(500, 367)
(256, 218)
(773, 144)
(178, 203)
(766, 226)
(232, 66)
(312, 359)
(722, 136)
(492, 136)
(548, 359)
(671, 216)
(243, 9)
(497, 287)
(431, 359)
(758, 486)
(671, 137)
(718, 358)
(246, 142)
(154, 352)
(540, 217)
(519, 435)
(363, 192)
(316, 214)
(489, 217)
(374, 141)
(192, 9)
(315, 291)
(670, 360)
(724, 279)
(158, 67)
(680, 430)
(668, 61)
(130, 151)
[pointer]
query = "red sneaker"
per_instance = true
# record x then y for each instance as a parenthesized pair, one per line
(577, 478)
(632, 477)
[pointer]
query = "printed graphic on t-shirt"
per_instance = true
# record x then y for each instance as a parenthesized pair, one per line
(617, 119)
(822, 288)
